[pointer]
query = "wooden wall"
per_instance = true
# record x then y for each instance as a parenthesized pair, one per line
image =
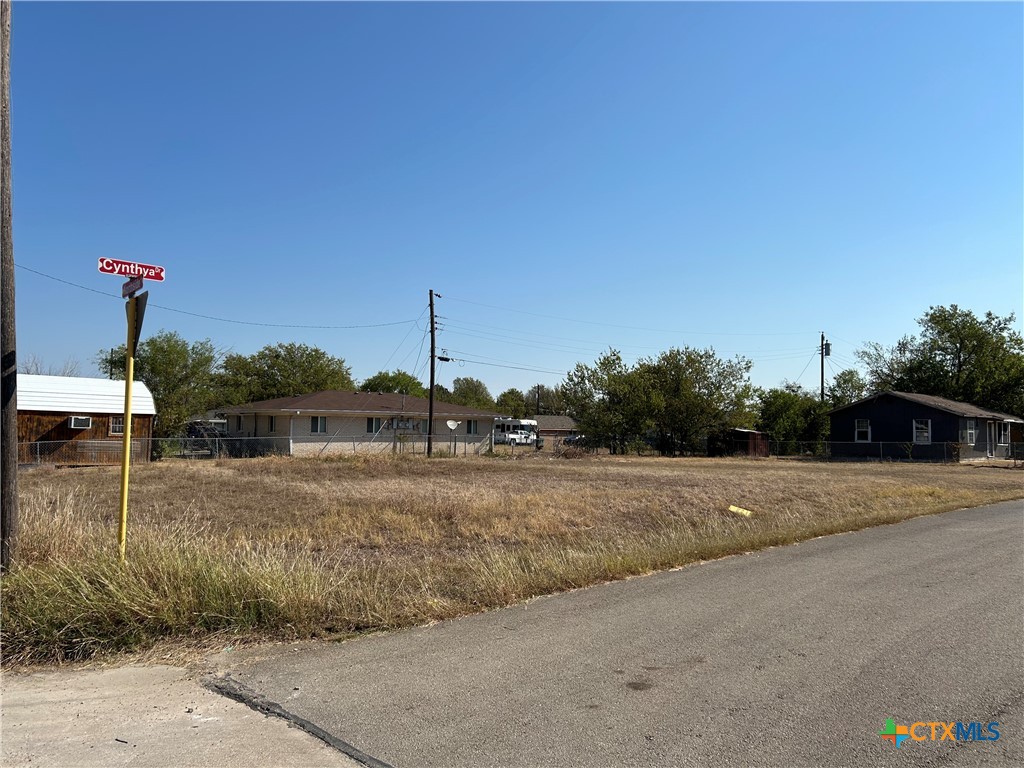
(47, 438)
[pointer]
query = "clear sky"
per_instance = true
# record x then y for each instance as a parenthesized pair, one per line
(569, 177)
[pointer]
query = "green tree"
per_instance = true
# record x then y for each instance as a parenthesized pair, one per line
(791, 415)
(847, 387)
(180, 376)
(611, 403)
(543, 400)
(512, 402)
(441, 394)
(677, 400)
(281, 370)
(395, 381)
(697, 393)
(472, 393)
(958, 356)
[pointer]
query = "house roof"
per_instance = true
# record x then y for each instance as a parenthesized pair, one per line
(966, 410)
(359, 403)
(76, 394)
(562, 423)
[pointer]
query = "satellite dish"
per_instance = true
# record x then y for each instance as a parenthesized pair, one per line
(452, 424)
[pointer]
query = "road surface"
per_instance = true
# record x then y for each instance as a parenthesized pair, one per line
(792, 656)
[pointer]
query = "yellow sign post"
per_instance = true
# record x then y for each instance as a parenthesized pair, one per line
(136, 308)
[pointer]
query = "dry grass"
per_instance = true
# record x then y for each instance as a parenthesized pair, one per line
(290, 548)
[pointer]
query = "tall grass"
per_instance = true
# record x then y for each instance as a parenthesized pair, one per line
(303, 548)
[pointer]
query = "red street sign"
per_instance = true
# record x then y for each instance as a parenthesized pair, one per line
(131, 269)
(133, 285)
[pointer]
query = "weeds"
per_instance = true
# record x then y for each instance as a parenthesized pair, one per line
(294, 548)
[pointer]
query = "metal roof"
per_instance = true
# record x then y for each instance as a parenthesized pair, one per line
(75, 394)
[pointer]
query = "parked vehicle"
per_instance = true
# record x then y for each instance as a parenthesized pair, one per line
(504, 426)
(577, 440)
(520, 437)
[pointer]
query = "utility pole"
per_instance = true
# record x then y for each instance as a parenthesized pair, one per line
(433, 361)
(8, 343)
(826, 351)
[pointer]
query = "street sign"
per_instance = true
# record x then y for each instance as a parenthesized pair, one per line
(131, 269)
(133, 285)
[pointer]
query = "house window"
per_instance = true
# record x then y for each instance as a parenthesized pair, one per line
(862, 430)
(117, 425)
(373, 425)
(922, 430)
(318, 425)
(272, 424)
(472, 427)
(238, 423)
(972, 432)
(423, 426)
(1004, 433)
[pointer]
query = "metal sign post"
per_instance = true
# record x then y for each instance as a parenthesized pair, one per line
(135, 308)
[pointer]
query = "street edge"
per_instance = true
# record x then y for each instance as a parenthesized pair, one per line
(227, 686)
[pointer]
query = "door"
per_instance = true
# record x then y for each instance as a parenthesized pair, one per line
(990, 447)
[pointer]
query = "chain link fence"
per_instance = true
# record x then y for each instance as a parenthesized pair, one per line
(99, 452)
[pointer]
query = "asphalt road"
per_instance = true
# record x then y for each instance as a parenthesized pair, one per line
(789, 657)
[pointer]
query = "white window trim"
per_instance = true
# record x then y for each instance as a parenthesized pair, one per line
(319, 420)
(972, 431)
(1003, 433)
(120, 431)
(856, 430)
(913, 426)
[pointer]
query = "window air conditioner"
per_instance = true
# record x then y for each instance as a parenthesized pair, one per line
(80, 422)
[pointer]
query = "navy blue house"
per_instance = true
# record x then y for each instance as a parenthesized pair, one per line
(900, 425)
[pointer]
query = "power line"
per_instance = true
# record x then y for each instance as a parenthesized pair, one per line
(485, 357)
(220, 319)
(512, 367)
(813, 355)
(415, 324)
(626, 327)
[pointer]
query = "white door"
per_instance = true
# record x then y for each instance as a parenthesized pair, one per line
(990, 448)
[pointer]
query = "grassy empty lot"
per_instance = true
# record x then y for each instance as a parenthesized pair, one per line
(290, 548)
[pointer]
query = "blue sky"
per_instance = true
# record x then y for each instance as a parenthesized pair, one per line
(569, 177)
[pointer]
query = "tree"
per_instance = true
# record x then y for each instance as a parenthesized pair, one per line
(281, 370)
(676, 400)
(957, 356)
(472, 393)
(512, 402)
(33, 364)
(396, 381)
(441, 394)
(790, 415)
(847, 387)
(180, 376)
(698, 394)
(542, 400)
(609, 402)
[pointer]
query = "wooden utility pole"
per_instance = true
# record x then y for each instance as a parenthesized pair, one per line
(826, 351)
(433, 361)
(8, 354)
